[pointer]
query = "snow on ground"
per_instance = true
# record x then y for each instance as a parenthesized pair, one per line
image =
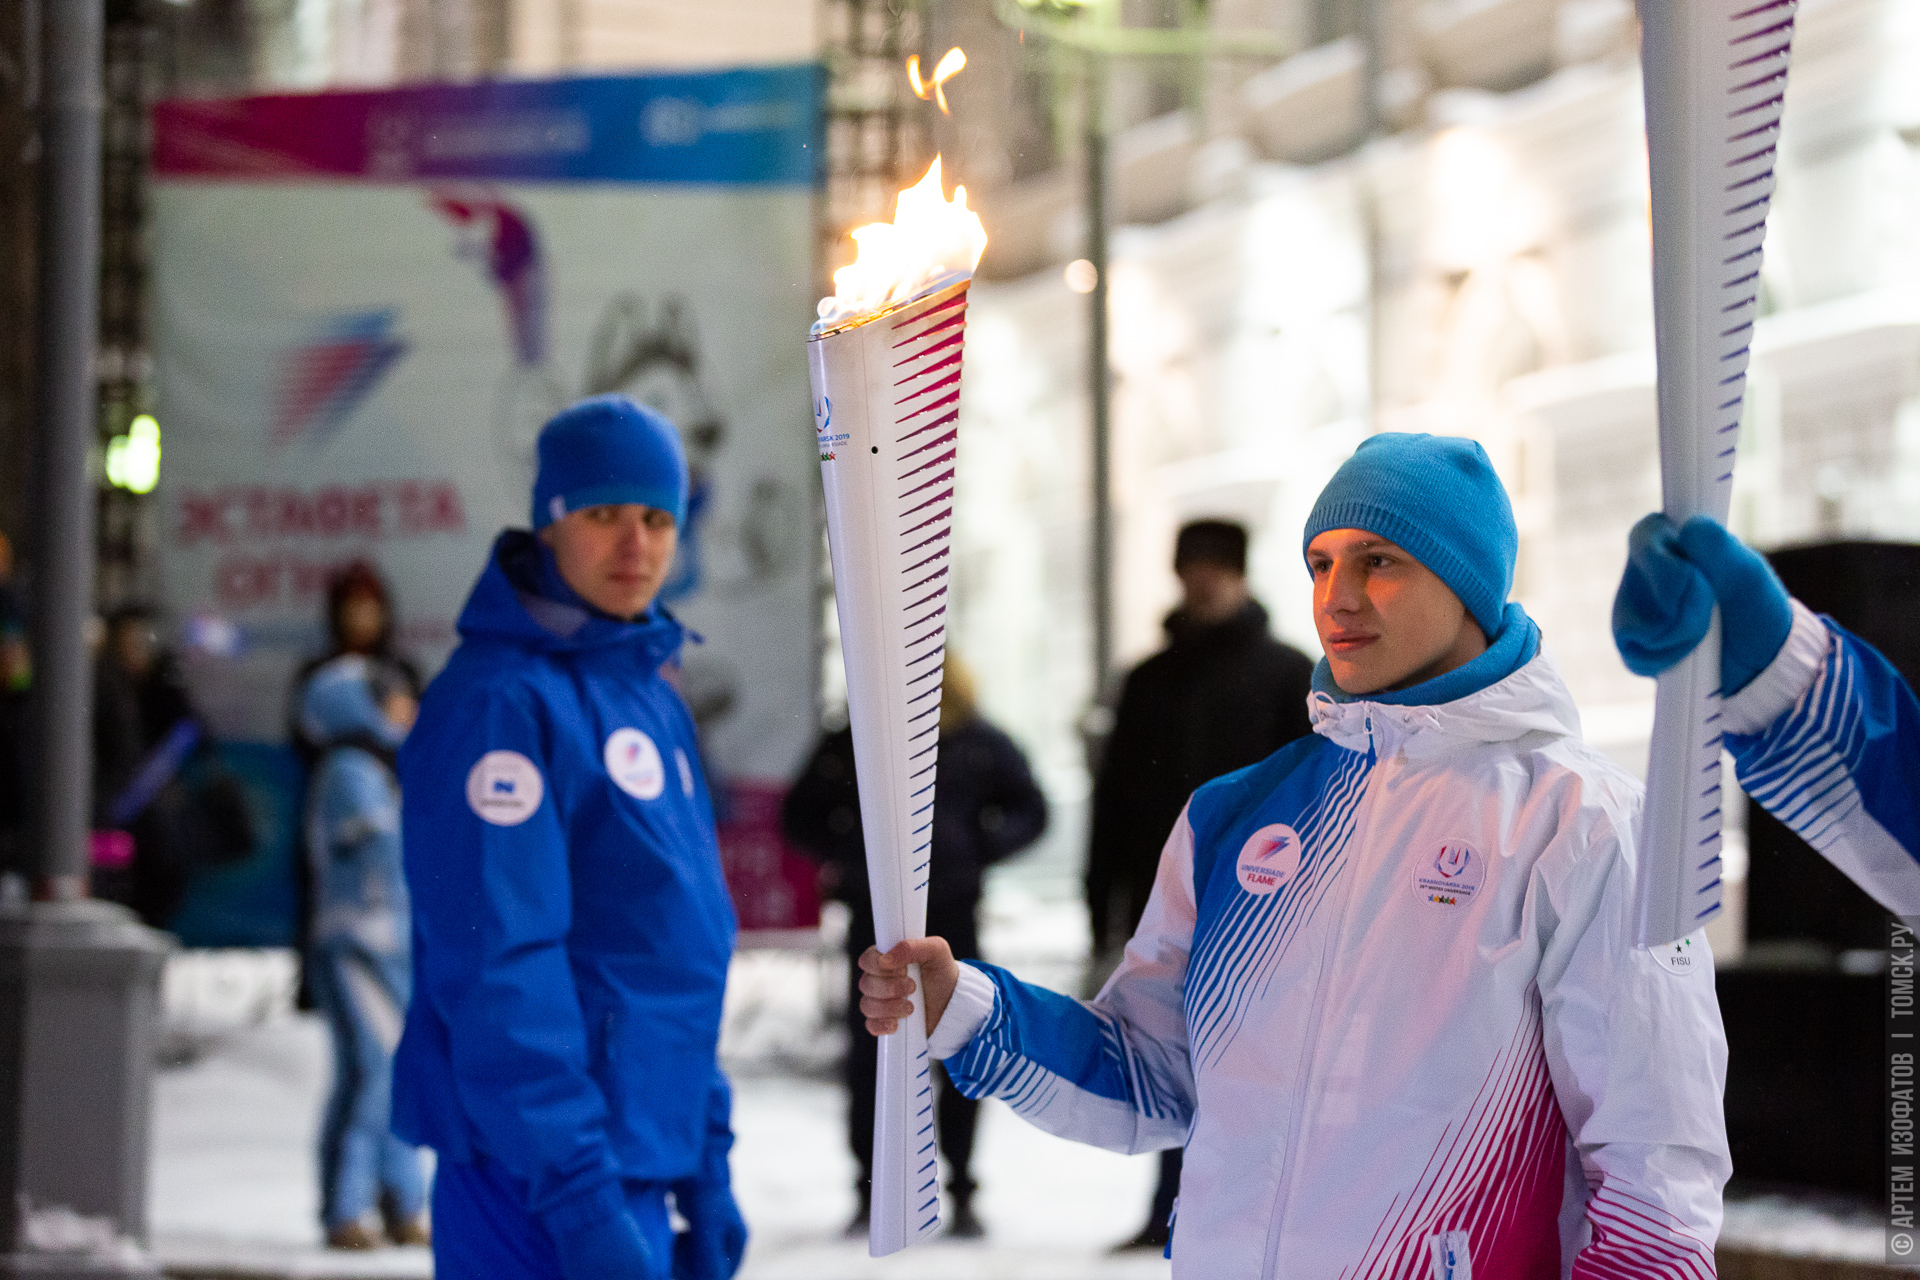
(234, 1191)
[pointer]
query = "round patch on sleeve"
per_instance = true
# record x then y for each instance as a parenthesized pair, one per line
(686, 771)
(634, 764)
(1684, 956)
(1449, 874)
(1269, 858)
(505, 788)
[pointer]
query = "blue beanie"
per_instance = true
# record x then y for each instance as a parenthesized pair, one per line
(1438, 498)
(607, 449)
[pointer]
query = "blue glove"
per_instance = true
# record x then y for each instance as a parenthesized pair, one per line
(715, 1242)
(1667, 594)
(609, 1249)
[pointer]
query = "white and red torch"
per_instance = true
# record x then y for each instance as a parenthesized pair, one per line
(885, 361)
(1716, 79)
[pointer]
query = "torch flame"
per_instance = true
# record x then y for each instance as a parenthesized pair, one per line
(929, 238)
(949, 67)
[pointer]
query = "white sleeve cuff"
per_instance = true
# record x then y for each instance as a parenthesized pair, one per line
(1785, 680)
(967, 1012)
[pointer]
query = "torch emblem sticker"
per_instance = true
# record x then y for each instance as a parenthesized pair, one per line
(1269, 859)
(634, 764)
(823, 432)
(1448, 876)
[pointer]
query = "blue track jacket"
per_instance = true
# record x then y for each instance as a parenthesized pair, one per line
(571, 926)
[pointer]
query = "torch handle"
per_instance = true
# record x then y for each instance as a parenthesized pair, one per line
(906, 1190)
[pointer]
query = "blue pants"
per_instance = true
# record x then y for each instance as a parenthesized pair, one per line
(364, 998)
(482, 1231)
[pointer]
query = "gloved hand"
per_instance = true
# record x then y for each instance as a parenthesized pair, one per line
(610, 1249)
(715, 1242)
(1667, 594)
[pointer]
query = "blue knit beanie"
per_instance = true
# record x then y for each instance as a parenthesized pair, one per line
(1438, 498)
(607, 449)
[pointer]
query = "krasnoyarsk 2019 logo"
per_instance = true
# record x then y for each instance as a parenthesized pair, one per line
(1449, 875)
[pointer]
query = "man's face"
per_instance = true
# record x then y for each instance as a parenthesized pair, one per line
(362, 621)
(1210, 593)
(615, 556)
(1385, 620)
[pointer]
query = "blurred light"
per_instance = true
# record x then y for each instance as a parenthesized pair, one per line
(133, 460)
(215, 636)
(1081, 275)
(1482, 211)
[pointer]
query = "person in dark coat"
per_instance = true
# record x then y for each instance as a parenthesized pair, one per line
(986, 809)
(1222, 695)
(144, 733)
(17, 758)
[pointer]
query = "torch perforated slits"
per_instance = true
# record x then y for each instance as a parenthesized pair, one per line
(1715, 75)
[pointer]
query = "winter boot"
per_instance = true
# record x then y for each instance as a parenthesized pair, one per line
(354, 1234)
(403, 1228)
(963, 1225)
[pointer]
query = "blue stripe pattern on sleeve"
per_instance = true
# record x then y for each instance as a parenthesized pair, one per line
(1850, 747)
(1038, 1042)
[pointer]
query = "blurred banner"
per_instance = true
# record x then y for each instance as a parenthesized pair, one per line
(366, 304)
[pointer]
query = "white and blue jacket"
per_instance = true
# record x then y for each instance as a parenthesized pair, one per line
(1827, 738)
(1386, 994)
(571, 926)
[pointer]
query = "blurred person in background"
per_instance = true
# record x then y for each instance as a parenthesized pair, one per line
(16, 679)
(986, 809)
(572, 929)
(360, 622)
(356, 714)
(1222, 695)
(163, 807)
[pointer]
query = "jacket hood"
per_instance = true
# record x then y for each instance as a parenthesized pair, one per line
(522, 600)
(338, 707)
(1534, 699)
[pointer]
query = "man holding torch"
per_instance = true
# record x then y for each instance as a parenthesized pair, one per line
(571, 927)
(1386, 991)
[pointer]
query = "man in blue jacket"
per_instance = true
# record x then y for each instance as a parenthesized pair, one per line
(571, 926)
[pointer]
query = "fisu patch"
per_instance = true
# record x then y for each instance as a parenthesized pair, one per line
(1683, 956)
(1269, 858)
(504, 788)
(634, 764)
(1447, 875)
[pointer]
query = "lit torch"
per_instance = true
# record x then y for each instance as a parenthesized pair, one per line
(885, 361)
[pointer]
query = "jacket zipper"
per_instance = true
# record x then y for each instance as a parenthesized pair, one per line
(1309, 1052)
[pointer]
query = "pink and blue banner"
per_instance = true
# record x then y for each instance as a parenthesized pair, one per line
(367, 303)
(754, 126)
